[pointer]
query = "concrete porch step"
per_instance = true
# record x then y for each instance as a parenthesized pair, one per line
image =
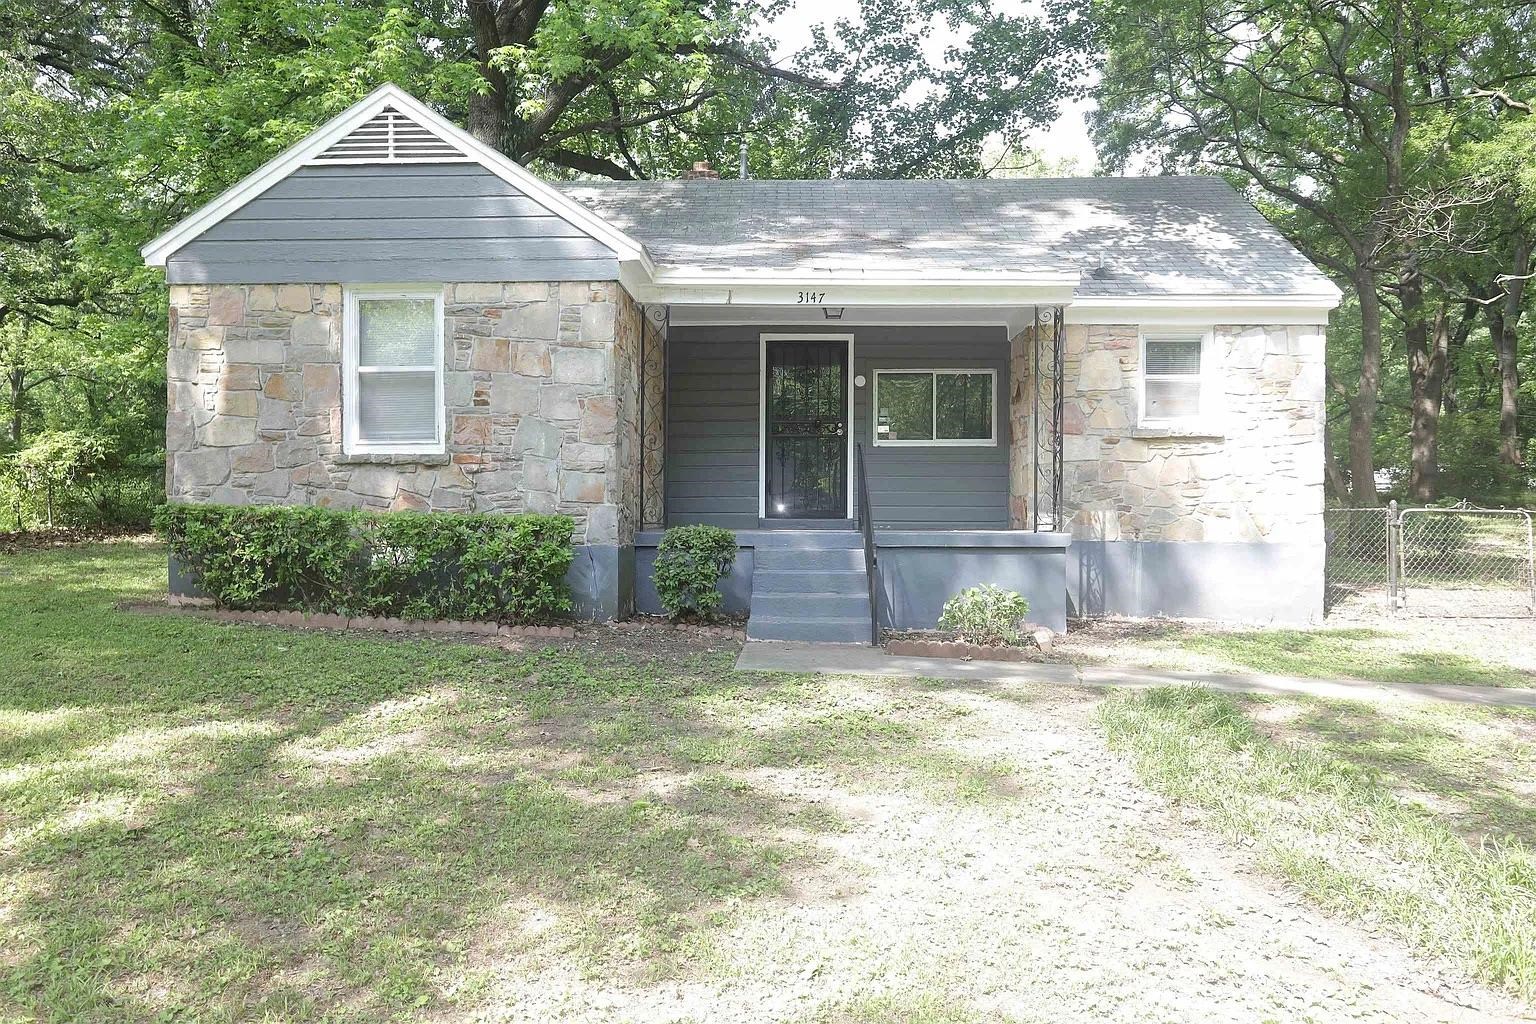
(809, 540)
(808, 559)
(805, 524)
(812, 605)
(831, 631)
(812, 586)
(810, 581)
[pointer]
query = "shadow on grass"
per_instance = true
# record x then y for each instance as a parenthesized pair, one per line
(1352, 653)
(1470, 772)
(314, 860)
(218, 821)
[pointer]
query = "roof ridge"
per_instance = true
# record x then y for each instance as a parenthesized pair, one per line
(738, 182)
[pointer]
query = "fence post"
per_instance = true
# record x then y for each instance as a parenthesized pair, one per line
(1394, 544)
(1530, 559)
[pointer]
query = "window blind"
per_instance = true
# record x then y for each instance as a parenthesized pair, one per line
(1172, 379)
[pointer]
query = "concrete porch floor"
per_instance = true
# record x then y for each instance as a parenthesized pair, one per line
(854, 659)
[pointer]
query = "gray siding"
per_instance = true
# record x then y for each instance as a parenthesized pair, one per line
(374, 223)
(963, 488)
(712, 458)
(711, 461)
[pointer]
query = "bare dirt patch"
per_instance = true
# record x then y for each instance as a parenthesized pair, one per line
(1062, 891)
(12, 541)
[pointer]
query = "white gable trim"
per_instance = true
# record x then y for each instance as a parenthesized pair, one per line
(156, 252)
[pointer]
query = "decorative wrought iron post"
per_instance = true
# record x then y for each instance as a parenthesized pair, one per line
(1058, 409)
(1046, 446)
(653, 415)
(1034, 421)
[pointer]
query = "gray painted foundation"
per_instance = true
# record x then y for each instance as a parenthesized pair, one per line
(602, 581)
(736, 587)
(922, 569)
(1235, 582)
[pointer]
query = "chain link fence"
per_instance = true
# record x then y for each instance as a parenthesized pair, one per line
(1360, 562)
(1461, 562)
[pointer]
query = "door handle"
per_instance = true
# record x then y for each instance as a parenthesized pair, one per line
(841, 429)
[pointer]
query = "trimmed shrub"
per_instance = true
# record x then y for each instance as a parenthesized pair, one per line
(987, 614)
(690, 563)
(427, 565)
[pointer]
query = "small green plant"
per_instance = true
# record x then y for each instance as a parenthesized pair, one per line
(55, 461)
(987, 614)
(431, 565)
(690, 563)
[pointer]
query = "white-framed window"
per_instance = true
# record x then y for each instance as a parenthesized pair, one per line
(1175, 372)
(392, 362)
(936, 407)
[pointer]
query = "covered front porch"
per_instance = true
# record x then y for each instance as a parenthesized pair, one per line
(873, 460)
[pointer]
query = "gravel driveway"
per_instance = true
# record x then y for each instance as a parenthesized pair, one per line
(1068, 893)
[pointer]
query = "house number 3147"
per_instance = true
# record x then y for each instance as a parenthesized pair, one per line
(810, 298)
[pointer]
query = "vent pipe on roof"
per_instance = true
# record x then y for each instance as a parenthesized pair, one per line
(742, 171)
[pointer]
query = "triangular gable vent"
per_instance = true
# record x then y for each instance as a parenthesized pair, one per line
(390, 138)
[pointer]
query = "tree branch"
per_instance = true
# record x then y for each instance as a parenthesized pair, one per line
(584, 162)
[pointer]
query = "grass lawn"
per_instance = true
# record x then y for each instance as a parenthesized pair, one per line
(218, 822)
(1485, 652)
(1418, 819)
(223, 822)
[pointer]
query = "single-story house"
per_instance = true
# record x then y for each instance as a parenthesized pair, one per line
(1104, 392)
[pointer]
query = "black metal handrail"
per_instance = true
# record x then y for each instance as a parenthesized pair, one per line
(867, 528)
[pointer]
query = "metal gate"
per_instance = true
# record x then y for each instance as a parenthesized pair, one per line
(1456, 562)
(1466, 561)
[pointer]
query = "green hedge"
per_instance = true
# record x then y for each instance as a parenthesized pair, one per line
(427, 565)
(690, 563)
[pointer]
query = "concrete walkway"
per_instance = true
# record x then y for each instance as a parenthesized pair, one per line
(851, 659)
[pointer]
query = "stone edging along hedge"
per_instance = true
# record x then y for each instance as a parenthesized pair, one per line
(383, 624)
(375, 623)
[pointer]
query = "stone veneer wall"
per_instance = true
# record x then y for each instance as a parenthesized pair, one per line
(541, 387)
(1253, 473)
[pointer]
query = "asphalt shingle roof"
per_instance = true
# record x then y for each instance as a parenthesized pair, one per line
(1128, 236)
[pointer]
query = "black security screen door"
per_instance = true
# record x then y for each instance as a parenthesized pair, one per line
(807, 429)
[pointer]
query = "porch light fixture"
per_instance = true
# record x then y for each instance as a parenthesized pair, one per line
(832, 312)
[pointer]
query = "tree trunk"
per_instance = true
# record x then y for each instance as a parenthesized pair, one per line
(1426, 370)
(1456, 347)
(491, 113)
(1504, 324)
(1362, 407)
(18, 380)
(1333, 473)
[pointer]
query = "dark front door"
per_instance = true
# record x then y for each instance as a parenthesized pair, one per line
(807, 429)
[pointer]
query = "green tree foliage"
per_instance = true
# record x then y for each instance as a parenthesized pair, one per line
(117, 118)
(1391, 139)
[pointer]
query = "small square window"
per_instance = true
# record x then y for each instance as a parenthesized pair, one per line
(1172, 379)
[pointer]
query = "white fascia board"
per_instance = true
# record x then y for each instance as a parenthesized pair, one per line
(1159, 310)
(157, 251)
(778, 288)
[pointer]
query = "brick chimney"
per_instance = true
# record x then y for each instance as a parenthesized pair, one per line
(701, 172)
